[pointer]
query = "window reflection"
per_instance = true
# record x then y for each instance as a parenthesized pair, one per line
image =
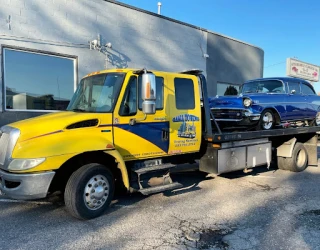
(224, 89)
(37, 81)
(159, 92)
(97, 93)
(184, 93)
(265, 86)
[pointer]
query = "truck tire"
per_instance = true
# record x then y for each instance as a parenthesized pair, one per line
(89, 191)
(298, 162)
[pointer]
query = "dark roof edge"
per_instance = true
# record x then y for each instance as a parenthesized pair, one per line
(179, 22)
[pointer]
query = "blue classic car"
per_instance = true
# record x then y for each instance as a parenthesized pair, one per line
(265, 103)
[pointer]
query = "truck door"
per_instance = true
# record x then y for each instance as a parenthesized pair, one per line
(185, 115)
(147, 136)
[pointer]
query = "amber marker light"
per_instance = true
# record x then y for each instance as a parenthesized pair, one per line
(148, 91)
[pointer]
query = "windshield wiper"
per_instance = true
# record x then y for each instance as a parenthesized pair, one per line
(80, 110)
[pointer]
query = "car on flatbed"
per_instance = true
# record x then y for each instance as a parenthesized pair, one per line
(266, 103)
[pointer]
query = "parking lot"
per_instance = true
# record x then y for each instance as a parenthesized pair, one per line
(265, 209)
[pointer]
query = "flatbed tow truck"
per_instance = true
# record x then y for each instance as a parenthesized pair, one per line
(124, 127)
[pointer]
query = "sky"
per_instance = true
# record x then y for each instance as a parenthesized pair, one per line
(281, 28)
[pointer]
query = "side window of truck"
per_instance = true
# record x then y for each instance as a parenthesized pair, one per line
(159, 92)
(184, 93)
(129, 102)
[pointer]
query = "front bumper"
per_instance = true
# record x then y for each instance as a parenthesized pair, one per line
(25, 186)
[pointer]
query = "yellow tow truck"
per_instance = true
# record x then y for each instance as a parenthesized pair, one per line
(125, 126)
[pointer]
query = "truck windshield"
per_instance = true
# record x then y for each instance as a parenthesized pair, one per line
(266, 86)
(97, 94)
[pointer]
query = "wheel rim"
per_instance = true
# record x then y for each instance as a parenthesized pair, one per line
(301, 158)
(96, 192)
(267, 120)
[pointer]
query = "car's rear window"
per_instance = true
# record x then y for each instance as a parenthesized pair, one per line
(267, 86)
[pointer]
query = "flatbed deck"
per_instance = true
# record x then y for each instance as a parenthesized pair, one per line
(238, 136)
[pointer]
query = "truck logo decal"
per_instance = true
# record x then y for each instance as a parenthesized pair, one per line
(185, 118)
(187, 128)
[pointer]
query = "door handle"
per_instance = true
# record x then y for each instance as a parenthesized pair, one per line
(165, 134)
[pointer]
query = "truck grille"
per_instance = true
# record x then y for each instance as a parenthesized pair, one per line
(4, 142)
(227, 113)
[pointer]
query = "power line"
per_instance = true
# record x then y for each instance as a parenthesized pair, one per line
(274, 64)
(279, 63)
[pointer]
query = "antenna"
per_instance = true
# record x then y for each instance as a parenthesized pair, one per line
(159, 8)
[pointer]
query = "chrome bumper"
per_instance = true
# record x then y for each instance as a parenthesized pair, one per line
(25, 186)
(244, 114)
(253, 117)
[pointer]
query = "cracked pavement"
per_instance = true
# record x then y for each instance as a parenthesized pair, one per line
(264, 209)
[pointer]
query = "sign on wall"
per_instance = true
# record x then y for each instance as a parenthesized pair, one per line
(296, 68)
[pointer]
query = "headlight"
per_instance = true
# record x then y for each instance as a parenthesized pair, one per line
(23, 164)
(247, 102)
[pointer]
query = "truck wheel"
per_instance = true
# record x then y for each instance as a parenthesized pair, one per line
(298, 162)
(89, 191)
(267, 120)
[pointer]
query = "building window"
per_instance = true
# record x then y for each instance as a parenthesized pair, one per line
(159, 93)
(184, 93)
(224, 89)
(37, 81)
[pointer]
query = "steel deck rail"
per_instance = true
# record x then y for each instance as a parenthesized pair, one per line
(238, 136)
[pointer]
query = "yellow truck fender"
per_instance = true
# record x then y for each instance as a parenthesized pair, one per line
(121, 165)
(59, 149)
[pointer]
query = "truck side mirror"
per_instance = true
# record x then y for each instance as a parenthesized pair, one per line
(148, 92)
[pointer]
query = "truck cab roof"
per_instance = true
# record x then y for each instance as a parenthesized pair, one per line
(137, 70)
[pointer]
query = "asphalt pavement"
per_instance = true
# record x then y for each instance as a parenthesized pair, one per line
(264, 209)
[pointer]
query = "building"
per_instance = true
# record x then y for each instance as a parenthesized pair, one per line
(45, 50)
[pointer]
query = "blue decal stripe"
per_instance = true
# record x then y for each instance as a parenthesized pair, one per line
(150, 131)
